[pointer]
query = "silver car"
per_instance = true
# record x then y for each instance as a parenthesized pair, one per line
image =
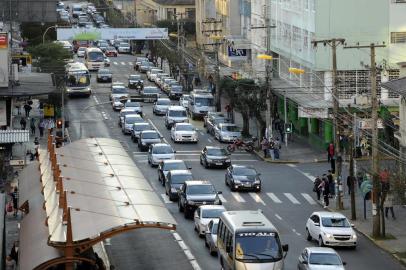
(227, 132)
(315, 258)
(204, 214)
(210, 240)
(129, 120)
(159, 152)
(137, 129)
(161, 106)
(124, 47)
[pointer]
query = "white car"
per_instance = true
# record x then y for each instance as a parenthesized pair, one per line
(159, 152)
(184, 101)
(81, 52)
(184, 132)
(153, 71)
(161, 106)
(123, 47)
(315, 258)
(330, 229)
(204, 214)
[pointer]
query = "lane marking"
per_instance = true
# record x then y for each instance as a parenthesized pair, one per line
(293, 230)
(130, 63)
(273, 197)
(165, 199)
(291, 198)
(160, 134)
(123, 63)
(105, 116)
(278, 216)
(222, 198)
(257, 198)
(115, 63)
(238, 197)
(292, 165)
(209, 140)
(201, 133)
(307, 175)
(309, 198)
(186, 250)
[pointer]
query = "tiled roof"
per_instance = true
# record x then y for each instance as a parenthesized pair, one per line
(398, 86)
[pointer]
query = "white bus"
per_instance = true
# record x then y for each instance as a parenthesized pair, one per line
(94, 58)
(77, 79)
(248, 240)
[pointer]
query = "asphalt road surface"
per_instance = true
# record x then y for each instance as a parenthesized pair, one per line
(286, 197)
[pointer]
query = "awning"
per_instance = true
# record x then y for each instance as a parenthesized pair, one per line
(14, 136)
(237, 42)
(398, 86)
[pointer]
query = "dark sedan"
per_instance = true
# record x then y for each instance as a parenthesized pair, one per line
(174, 180)
(213, 156)
(167, 165)
(240, 177)
(135, 82)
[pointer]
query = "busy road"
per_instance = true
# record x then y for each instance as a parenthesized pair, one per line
(286, 197)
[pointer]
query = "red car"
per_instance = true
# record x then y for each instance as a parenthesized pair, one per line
(111, 52)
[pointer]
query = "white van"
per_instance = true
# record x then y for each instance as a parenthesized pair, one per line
(76, 10)
(200, 103)
(175, 114)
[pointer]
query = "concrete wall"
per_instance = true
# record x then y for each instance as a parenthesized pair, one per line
(29, 10)
(363, 21)
(397, 23)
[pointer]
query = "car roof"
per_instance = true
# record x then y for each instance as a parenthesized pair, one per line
(321, 250)
(329, 214)
(214, 147)
(227, 124)
(173, 161)
(149, 131)
(205, 207)
(180, 172)
(177, 108)
(141, 124)
(242, 166)
(160, 144)
(136, 115)
(183, 124)
(198, 182)
(163, 99)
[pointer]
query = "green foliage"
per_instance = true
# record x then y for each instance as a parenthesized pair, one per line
(188, 26)
(50, 57)
(33, 32)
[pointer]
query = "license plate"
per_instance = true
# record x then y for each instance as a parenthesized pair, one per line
(219, 163)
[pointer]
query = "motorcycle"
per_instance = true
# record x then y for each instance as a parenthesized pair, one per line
(247, 145)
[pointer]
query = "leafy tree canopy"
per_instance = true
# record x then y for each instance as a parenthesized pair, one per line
(50, 57)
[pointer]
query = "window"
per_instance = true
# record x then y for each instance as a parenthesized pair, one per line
(399, 1)
(171, 13)
(190, 13)
(398, 37)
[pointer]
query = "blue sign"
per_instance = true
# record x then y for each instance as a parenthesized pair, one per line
(236, 52)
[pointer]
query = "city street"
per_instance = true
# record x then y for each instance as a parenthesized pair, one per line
(286, 197)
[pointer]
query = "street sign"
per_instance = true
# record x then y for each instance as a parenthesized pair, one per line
(367, 123)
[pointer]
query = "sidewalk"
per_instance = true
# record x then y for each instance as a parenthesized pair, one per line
(394, 228)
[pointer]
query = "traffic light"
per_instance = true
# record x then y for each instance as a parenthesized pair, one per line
(288, 127)
(59, 123)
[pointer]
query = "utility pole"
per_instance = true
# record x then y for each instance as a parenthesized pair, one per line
(338, 158)
(351, 168)
(376, 185)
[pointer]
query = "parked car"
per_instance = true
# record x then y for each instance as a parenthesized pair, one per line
(210, 240)
(152, 73)
(242, 177)
(210, 116)
(212, 120)
(315, 258)
(167, 165)
(330, 229)
(204, 214)
(213, 156)
(175, 91)
(104, 75)
(227, 132)
(138, 61)
(137, 128)
(145, 66)
(129, 120)
(148, 138)
(161, 106)
(196, 193)
(167, 83)
(184, 132)
(174, 180)
(135, 82)
(124, 47)
(111, 52)
(159, 152)
(81, 52)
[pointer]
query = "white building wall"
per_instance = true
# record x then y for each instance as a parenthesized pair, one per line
(397, 23)
(258, 36)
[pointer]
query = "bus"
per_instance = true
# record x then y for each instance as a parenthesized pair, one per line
(200, 103)
(248, 240)
(77, 79)
(94, 58)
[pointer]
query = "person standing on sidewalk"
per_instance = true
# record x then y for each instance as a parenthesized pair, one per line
(316, 188)
(276, 147)
(15, 195)
(27, 109)
(331, 184)
(388, 204)
(330, 152)
(32, 125)
(265, 146)
(41, 127)
(23, 123)
(325, 190)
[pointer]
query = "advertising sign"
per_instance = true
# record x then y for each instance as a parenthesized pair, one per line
(111, 33)
(313, 112)
(232, 52)
(3, 41)
(367, 123)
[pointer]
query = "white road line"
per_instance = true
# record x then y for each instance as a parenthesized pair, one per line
(210, 140)
(273, 197)
(308, 198)
(123, 63)
(186, 250)
(177, 236)
(105, 116)
(165, 199)
(257, 198)
(238, 197)
(292, 165)
(291, 198)
(307, 175)
(201, 133)
(130, 63)
(293, 230)
(152, 124)
(115, 63)
(278, 216)
(222, 198)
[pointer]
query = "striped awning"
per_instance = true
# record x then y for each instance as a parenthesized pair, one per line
(14, 136)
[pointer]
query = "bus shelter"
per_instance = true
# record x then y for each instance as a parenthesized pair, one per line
(76, 196)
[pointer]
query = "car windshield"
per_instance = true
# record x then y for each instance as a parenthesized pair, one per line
(217, 152)
(132, 104)
(166, 149)
(212, 213)
(141, 127)
(214, 228)
(133, 119)
(135, 77)
(174, 166)
(184, 128)
(95, 56)
(163, 102)
(181, 178)
(81, 49)
(146, 63)
(124, 113)
(78, 79)
(324, 259)
(119, 90)
(151, 90)
(201, 189)
(244, 171)
(111, 48)
(204, 101)
(150, 135)
(123, 44)
(176, 88)
(230, 128)
(104, 71)
(257, 246)
(335, 222)
(177, 113)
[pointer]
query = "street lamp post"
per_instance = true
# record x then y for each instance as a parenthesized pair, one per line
(45, 32)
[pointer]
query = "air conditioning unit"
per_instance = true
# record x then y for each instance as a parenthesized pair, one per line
(361, 100)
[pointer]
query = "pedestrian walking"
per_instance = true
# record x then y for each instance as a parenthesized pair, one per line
(265, 146)
(388, 204)
(14, 195)
(23, 123)
(331, 184)
(316, 188)
(330, 152)
(41, 127)
(271, 148)
(99, 262)
(32, 125)
(27, 109)
(14, 252)
(350, 182)
(276, 148)
(10, 263)
(229, 111)
(324, 186)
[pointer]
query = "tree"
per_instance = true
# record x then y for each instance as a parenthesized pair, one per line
(50, 57)
(189, 27)
(32, 32)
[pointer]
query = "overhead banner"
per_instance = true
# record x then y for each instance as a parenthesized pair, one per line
(313, 112)
(111, 33)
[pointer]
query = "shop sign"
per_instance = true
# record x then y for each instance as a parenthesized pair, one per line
(3, 41)
(367, 123)
(306, 112)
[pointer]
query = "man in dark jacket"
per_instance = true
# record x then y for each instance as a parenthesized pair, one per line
(316, 188)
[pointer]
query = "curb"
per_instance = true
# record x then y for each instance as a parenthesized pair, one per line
(394, 255)
(289, 161)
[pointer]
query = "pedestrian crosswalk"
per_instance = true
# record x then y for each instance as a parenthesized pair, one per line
(122, 63)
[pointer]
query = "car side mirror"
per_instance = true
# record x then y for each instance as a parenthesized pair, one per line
(174, 151)
(192, 103)
(317, 224)
(344, 263)
(219, 192)
(353, 225)
(285, 248)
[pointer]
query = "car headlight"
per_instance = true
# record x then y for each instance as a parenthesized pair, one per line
(144, 143)
(209, 160)
(173, 190)
(190, 202)
(354, 236)
(328, 235)
(88, 89)
(228, 160)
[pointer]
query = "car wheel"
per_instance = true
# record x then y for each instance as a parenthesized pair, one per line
(206, 245)
(353, 247)
(180, 207)
(225, 181)
(163, 182)
(186, 213)
(206, 165)
(232, 188)
(321, 243)
(201, 162)
(212, 253)
(207, 130)
(308, 236)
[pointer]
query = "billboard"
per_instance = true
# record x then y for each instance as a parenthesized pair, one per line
(111, 33)
(4, 59)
